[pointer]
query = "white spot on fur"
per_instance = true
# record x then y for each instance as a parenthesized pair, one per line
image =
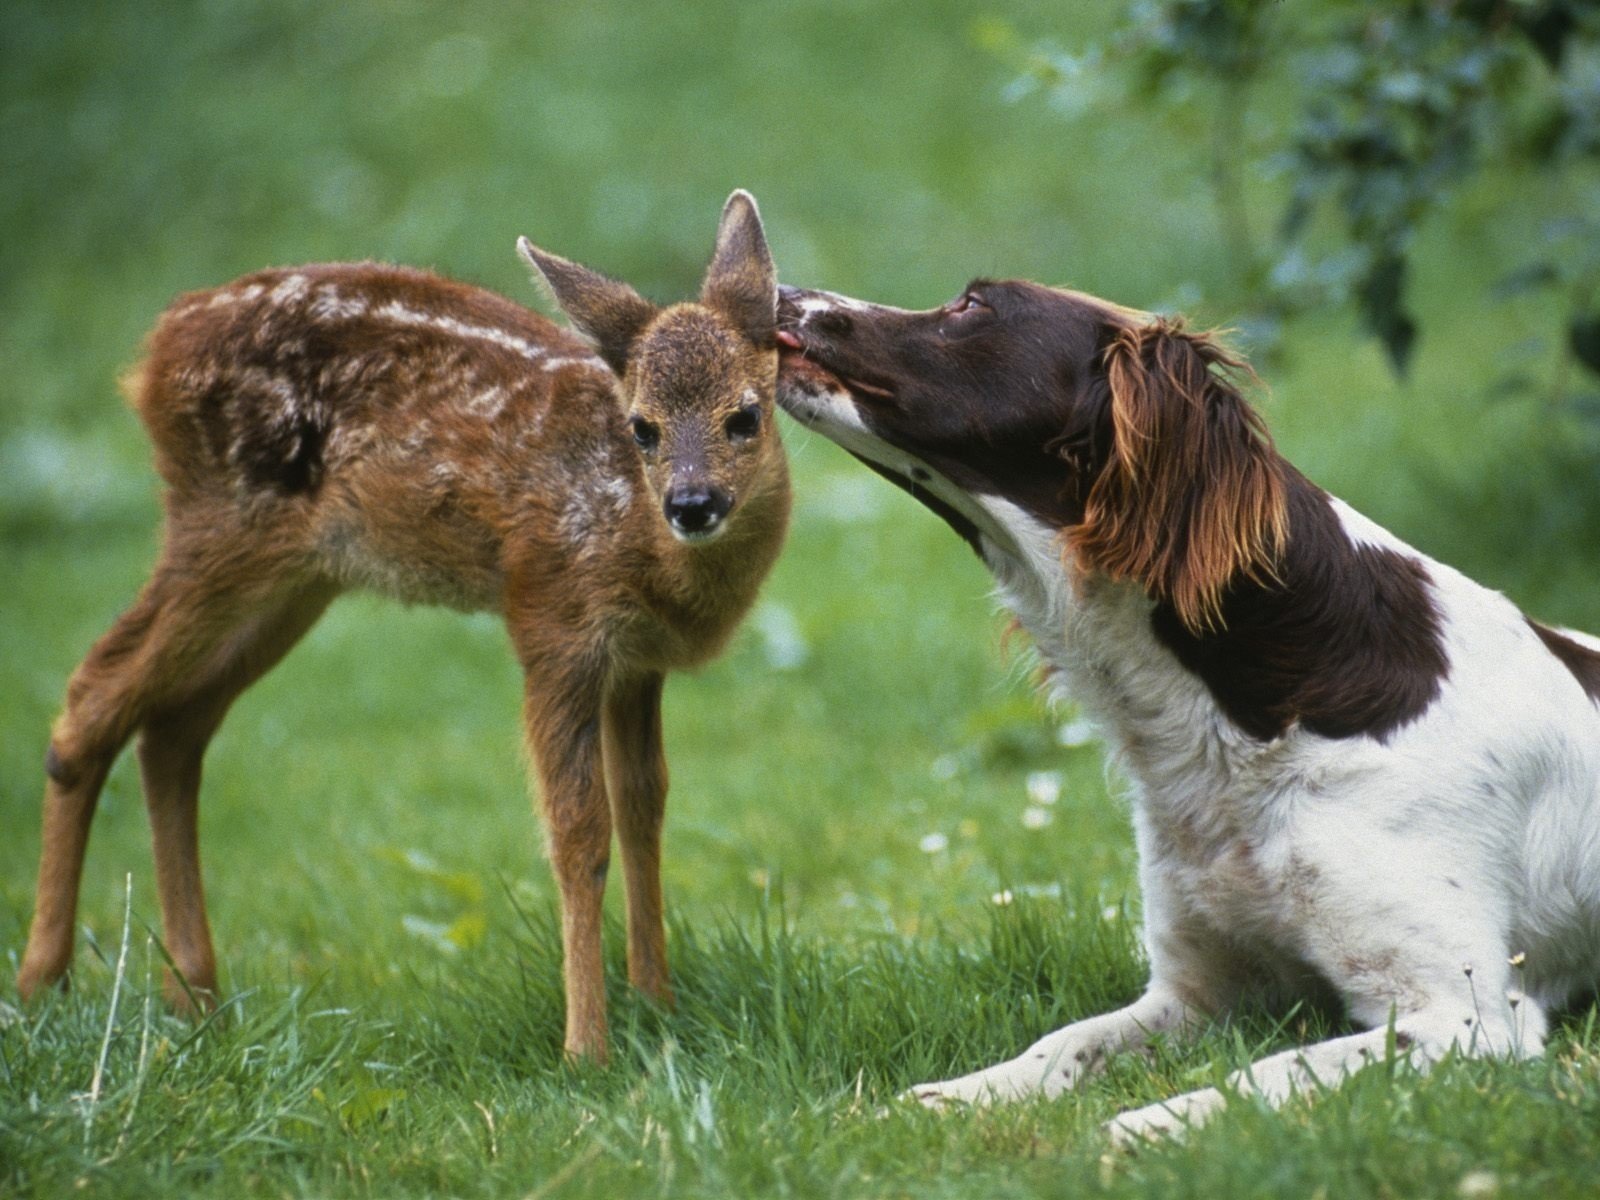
(226, 297)
(419, 436)
(404, 315)
(197, 377)
(329, 305)
(488, 404)
(292, 288)
(597, 498)
(588, 360)
(344, 441)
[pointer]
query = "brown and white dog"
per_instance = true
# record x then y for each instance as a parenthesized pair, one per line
(1351, 766)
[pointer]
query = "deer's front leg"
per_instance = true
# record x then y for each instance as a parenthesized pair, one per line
(563, 718)
(636, 779)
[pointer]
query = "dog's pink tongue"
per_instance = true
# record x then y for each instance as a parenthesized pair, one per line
(790, 339)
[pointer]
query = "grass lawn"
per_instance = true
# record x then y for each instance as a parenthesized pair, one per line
(854, 784)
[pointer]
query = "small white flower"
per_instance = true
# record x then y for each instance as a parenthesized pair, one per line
(1110, 913)
(1478, 1183)
(933, 843)
(946, 766)
(1044, 787)
(1076, 732)
(782, 640)
(1034, 817)
(1002, 898)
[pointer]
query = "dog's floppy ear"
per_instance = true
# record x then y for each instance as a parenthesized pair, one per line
(1191, 496)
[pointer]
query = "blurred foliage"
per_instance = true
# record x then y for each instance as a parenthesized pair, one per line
(1373, 119)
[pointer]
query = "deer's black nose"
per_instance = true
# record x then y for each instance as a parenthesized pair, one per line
(696, 511)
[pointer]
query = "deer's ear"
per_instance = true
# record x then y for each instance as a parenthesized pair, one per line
(605, 310)
(741, 282)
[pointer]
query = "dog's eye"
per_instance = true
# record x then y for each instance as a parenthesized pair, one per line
(645, 433)
(967, 302)
(743, 424)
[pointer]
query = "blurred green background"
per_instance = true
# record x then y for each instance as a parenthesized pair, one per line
(866, 740)
(868, 768)
(866, 743)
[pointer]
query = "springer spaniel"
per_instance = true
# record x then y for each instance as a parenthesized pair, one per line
(1351, 765)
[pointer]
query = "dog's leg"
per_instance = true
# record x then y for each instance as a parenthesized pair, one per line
(1192, 976)
(1421, 1038)
(636, 778)
(1400, 943)
(1059, 1060)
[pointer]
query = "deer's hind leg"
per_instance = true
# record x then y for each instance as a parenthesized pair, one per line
(172, 745)
(636, 778)
(191, 625)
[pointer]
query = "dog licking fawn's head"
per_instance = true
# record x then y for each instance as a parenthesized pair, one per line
(697, 377)
(1121, 431)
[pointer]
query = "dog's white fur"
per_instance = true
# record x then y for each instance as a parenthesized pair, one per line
(1445, 881)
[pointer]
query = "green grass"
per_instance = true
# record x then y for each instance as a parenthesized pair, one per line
(840, 819)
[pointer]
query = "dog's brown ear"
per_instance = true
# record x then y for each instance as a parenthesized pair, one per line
(1191, 497)
(606, 310)
(741, 282)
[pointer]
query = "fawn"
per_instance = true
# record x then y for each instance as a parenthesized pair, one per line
(341, 426)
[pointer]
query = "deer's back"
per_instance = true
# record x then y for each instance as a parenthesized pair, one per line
(270, 382)
(395, 427)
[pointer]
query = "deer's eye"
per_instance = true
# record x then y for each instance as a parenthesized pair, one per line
(645, 433)
(743, 424)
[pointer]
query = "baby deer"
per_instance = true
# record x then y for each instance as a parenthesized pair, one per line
(340, 426)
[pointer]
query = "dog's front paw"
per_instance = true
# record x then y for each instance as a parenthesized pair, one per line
(942, 1097)
(994, 1085)
(1168, 1119)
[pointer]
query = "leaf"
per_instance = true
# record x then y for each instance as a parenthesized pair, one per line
(1548, 27)
(1583, 335)
(1382, 299)
(1524, 279)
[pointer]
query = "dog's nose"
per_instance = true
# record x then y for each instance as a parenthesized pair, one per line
(695, 510)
